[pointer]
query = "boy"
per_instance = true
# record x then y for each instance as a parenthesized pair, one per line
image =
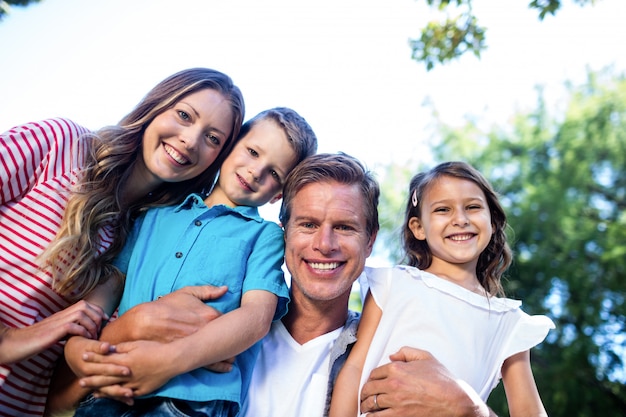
(224, 242)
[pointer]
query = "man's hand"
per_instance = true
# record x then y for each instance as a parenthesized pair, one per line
(415, 384)
(173, 316)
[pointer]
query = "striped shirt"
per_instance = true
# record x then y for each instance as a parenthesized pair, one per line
(38, 163)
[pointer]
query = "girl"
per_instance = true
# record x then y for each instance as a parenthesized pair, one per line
(455, 234)
(170, 145)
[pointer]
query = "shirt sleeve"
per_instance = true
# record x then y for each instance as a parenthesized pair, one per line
(527, 333)
(379, 283)
(264, 268)
(36, 152)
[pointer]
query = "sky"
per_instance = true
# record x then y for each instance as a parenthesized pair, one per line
(345, 65)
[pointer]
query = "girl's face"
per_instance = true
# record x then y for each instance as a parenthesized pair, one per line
(183, 141)
(455, 222)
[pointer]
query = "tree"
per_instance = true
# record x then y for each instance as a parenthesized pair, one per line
(562, 181)
(5, 5)
(459, 32)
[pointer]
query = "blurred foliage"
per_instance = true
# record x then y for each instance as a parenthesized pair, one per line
(562, 181)
(459, 32)
(5, 5)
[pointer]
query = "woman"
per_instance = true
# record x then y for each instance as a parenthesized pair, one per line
(67, 201)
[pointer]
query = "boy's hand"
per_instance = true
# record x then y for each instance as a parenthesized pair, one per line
(147, 360)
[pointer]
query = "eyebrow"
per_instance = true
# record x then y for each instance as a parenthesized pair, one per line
(465, 201)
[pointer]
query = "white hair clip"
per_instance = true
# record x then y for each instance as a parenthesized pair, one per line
(414, 198)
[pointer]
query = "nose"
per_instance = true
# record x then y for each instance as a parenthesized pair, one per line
(190, 138)
(255, 172)
(460, 218)
(325, 240)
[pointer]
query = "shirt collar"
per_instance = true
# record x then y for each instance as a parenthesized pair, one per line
(196, 201)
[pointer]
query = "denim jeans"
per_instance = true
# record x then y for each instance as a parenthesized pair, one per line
(154, 407)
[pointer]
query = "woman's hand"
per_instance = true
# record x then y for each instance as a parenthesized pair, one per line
(80, 319)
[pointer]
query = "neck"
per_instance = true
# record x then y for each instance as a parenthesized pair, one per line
(463, 274)
(217, 197)
(309, 319)
(138, 185)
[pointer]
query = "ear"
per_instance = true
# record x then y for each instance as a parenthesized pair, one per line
(276, 198)
(370, 244)
(415, 225)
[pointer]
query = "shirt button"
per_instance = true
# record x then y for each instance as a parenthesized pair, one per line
(198, 223)
(179, 254)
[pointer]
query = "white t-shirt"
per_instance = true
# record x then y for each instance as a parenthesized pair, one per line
(289, 379)
(468, 333)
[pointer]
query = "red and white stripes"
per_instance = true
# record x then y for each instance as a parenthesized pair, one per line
(38, 163)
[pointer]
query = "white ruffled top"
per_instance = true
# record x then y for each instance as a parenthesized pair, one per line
(469, 333)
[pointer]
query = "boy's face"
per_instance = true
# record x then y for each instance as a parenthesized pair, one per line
(254, 172)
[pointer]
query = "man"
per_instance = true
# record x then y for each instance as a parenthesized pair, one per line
(329, 213)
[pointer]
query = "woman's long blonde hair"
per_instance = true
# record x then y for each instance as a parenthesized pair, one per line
(75, 257)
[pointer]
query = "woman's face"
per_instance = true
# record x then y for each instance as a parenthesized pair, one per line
(183, 141)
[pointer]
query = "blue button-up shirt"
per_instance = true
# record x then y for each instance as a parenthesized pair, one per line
(192, 244)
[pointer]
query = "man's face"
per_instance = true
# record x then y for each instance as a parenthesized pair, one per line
(326, 242)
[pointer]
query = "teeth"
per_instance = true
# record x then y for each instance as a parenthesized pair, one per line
(461, 237)
(325, 266)
(175, 155)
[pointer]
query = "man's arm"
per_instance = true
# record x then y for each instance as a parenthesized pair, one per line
(415, 384)
(238, 330)
(173, 316)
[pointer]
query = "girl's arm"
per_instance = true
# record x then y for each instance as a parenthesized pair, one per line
(345, 400)
(519, 384)
(221, 339)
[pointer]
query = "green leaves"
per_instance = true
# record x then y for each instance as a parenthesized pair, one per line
(5, 5)
(441, 42)
(444, 40)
